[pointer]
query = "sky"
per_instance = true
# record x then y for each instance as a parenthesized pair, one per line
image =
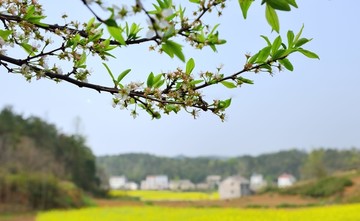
(316, 105)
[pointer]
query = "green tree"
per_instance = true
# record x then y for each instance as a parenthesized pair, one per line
(314, 165)
(47, 48)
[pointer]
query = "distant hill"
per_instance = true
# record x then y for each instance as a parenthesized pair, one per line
(40, 167)
(136, 166)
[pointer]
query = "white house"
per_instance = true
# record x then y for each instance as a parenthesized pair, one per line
(234, 187)
(285, 180)
(131, 186)
(213, 181)
(181, 185)
(117, 182)
(155, 182)
(257, 182)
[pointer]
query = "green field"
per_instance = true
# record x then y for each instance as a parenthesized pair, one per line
(147, 195)
(153, 213)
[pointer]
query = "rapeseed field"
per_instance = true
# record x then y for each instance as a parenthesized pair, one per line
(153, 213)
(148, 195)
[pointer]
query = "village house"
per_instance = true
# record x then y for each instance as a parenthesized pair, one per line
(285, 180)
(155, 182)
(213, 181)
(234, 187)
(257, 182)
(117, 182)
(131, 186)
(181, 185)
(202, 186)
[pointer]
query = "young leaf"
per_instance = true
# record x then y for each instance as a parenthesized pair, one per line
(272, 18)
(110, 73)
(228, 84)
(290, 36)
(301, 42)
(195, 82)
(276, 45)
(287, 64)
(307, 53)
(266, 39)
(29, 12)
(263, 54)
(190, 65)
(157, 78)
(282, 5)
(115, 32)
(28, 48)
(278, 54)
(245, 5)
(245, 80)
(253, 58)
(299, 34)
(122, 75)
(159, 83)
(150, 80)
(292, 2)
(224, 104)
(172, 48)
(4, 34)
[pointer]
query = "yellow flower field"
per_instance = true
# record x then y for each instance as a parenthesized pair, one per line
(149, 213)
(148, 195)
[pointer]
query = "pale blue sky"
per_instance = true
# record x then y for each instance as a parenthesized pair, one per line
(317, 105)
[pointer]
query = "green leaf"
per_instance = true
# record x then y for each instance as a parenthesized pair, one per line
(195, 82)
(301, 42)
(115, 32)
(272, 18)
(276, 45)
(290, 36)
(245, 80)
(111, 23)
(308, 54)
(172, 48)
(282, 5)
(89, 24)
(278, 54)
(266, 39)
(159, 83)
(157, 115)
(224, 104)
(292, 2)
(245, 5)
(81, 61)
(110, 73)
(122, 75)
(190, 65)
(228, 84)
(4, 34)
(253, 58)
(263, 54)
(29, 12)
(150, 80)
(287, 64)
(28, 48)
(297, 37)
(195, 1)
(157, 78)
